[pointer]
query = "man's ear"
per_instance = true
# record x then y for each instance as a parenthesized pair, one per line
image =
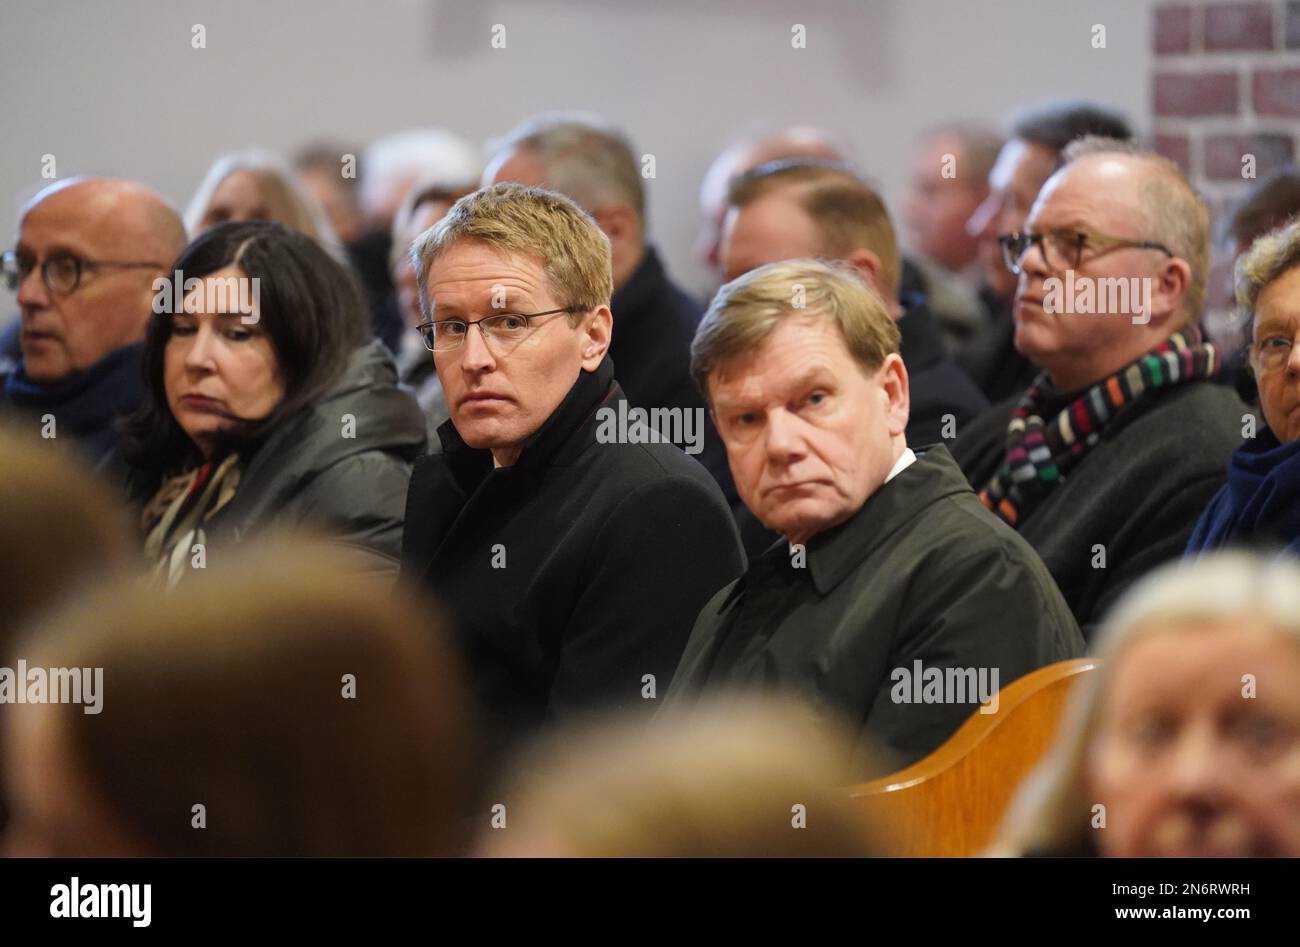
(897, 393)
(596, 332)
(1169, 289)
(867, 264)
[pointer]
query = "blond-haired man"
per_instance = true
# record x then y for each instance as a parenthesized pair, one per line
(572, 543)
(898, 603)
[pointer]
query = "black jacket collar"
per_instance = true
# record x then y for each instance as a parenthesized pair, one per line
(557, 442)
(833, 555)
(634, 296)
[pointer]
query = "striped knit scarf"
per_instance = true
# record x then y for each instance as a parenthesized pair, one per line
(1045, 440)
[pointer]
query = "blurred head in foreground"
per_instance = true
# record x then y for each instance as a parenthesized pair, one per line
(736, 779)
(58, 529)
(1187, 741)
(276, 706)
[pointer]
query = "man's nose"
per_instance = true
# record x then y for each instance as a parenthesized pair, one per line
(784, 440)
(32, 291)
(475, 355)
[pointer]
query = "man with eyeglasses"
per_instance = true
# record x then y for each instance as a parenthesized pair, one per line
(1028, 158)
(573, 563)
(1105, 461)
(88, 252)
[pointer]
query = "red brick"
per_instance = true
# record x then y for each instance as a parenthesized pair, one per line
(1277, 92)
(1231, 26)
(1222, 154)
(1177, 148)
(1192, 94)
(1173, 30)
(1293, 25)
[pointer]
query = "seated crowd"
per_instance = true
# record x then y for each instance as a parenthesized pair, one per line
(430, 515)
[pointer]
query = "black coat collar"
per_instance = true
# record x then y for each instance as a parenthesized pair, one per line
(833, 555)
(557, 442)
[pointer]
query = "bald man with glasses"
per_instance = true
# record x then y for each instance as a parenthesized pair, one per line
(83, 269)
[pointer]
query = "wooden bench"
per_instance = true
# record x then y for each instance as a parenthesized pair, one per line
(952, 802)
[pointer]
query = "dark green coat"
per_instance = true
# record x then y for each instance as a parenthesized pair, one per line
(922, 572)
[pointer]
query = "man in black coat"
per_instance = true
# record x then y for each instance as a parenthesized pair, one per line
(573, 546)
(654, 319)
(89, 250)
(1105, 462)
(899, 604)
(803, 208)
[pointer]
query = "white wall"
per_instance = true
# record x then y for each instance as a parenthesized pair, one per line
(115, 87)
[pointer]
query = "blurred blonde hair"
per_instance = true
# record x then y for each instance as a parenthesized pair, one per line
(290, 202)
(1051, 813)
(717, 779)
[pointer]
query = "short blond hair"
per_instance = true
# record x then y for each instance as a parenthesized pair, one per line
(543, 224)
(846, 211)
(1173, 212)
(748, 309)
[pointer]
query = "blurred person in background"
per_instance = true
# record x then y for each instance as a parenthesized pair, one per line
(325, 170)
(1023, 165)
(423, 207)
(256, 185)
(268, 405)
(279, 705)
(747, 778)
(1185, 743)
(950, 172)
(802, 209)
(88, 253)
(390, 168)
(742, 155)
(1260, 503)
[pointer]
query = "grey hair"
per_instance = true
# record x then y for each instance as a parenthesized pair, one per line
(1049, 814)
(581, 156)
(1174, 212)
(1271, 255)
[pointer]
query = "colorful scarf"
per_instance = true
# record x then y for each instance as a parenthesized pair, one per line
(1049, 434)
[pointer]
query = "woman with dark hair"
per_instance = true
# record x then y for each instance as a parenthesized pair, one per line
(267, 404)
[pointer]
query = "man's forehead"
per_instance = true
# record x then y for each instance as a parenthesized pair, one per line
(799, 345)
(77, 216)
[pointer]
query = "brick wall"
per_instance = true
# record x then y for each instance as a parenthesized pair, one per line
(1226, 85)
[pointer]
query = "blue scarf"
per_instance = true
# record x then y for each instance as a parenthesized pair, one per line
(1260, 503)
(86, 404)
